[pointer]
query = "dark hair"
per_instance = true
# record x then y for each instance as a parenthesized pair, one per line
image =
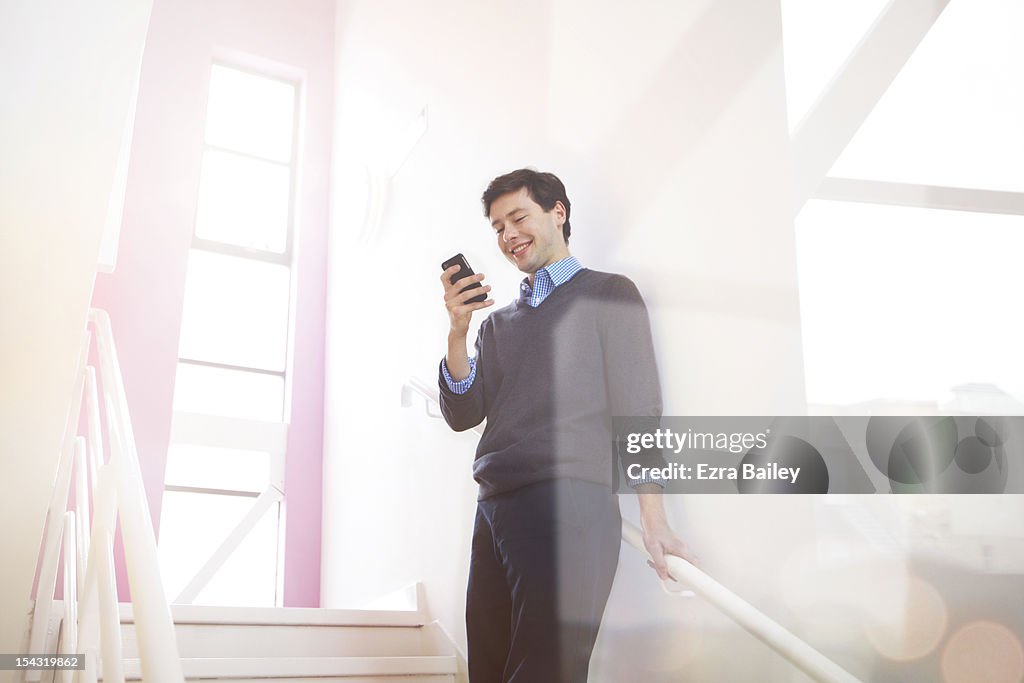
(543, 188)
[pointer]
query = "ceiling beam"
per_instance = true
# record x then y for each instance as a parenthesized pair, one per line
(921, 196)
(858, 85)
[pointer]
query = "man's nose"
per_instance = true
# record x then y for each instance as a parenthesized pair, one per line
(509, 233)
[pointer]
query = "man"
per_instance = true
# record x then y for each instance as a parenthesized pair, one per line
(550, 371)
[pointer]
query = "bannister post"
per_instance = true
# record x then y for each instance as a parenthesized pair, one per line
(69, 641)
(95, 431)
(110, 622)
(92, 603)
(81, 510)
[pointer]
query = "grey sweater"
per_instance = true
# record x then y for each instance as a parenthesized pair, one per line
(549, 379)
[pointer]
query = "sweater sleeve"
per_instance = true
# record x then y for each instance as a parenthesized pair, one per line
(466, 409)
(634, 390)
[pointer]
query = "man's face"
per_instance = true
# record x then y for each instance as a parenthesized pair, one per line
(528, 236)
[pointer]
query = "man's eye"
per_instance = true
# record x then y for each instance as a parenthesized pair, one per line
(520, 219)
(499, 231)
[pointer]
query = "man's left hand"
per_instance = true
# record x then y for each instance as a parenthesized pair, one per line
(661, 541)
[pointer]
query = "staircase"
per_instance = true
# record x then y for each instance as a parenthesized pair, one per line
(301, 645)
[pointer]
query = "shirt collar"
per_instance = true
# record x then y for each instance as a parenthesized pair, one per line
(562, 271)
(558, 273)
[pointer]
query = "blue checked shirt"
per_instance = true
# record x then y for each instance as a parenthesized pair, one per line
(545, 281)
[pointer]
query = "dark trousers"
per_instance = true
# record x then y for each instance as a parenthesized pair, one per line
(541, 568)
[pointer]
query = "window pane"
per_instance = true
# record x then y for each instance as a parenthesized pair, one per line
(817, 38)
(249, 576)
(231, 393)
(235, 311)
(194, 525)
(953, 115)
(243, 201)
(250, 113)
(217, 468)
(905, 303)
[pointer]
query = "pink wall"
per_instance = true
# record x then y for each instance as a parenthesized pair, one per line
(144, 295)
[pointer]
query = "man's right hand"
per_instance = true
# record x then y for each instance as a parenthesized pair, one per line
(460, 312)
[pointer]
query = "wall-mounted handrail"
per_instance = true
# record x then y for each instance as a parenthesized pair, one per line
(428, 392)
(105, 493)
(796, 651)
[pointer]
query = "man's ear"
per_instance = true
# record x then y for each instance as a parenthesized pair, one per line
(559, 210)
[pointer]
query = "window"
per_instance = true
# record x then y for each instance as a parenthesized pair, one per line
(907, 258)
(908, 303)
(953, 115)
(232, 383)
(818, 37)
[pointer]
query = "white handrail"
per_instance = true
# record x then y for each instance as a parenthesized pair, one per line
(795, 650)
(414, 385)
(105, 492)
(55, 519)
(158, 649)
(431, 397)
(69, 628)
(810, 661)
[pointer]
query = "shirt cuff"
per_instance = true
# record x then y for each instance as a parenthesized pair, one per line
(646, 479)
(462, 386)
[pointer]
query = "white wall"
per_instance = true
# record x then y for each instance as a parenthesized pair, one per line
(67, 79)
(667, 123)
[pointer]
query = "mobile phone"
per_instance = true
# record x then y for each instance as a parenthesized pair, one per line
(464, 271)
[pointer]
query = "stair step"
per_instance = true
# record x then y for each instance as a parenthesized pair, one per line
(218, 641)
(291, 668)
(284, 616)
(203, 641)
(422, 678)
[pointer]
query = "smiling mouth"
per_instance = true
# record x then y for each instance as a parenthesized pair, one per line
(519, 249)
